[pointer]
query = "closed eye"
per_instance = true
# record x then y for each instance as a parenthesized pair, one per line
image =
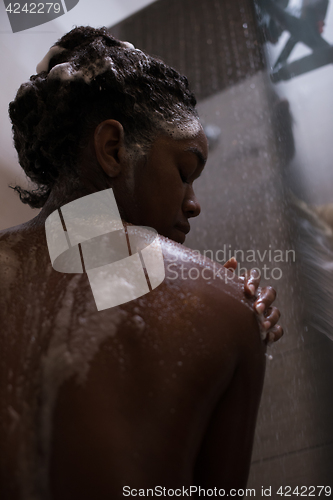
(183, 178)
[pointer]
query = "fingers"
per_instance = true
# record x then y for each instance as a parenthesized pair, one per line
(270, 317)
(266, 297)
(274, 335)
(231, 264)
(251, 282)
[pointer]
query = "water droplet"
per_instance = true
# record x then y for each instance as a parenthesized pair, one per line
(139, 322)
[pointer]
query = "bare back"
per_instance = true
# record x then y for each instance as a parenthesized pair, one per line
(151, 392)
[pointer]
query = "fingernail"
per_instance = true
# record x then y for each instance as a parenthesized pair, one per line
(252, 289)
(267, 325)
(271, 339)
(263, 334)
(260, 308)
(255, 273)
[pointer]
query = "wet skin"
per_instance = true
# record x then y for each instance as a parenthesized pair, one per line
(173, 379)
(164, 194)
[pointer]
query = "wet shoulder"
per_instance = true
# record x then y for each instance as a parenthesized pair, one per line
(201, 275)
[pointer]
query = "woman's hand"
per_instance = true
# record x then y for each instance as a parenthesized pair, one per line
(264, 297)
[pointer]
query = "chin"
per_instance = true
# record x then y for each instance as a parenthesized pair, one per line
(180, 237)
(175, 235)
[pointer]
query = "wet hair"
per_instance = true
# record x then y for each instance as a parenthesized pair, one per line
(91, 77)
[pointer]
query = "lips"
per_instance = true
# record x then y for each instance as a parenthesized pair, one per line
(184, 228)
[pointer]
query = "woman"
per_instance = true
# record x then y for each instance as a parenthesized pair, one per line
(162, 390)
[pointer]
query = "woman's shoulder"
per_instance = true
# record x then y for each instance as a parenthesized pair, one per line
(190, 268)
(12, 234)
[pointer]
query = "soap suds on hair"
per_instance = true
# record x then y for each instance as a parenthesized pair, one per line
(147, 97)
(67, 70)
(43, 65)
(127, 45)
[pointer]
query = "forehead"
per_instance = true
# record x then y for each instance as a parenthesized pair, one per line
(196, 144)
(200, 142)
(186, 142)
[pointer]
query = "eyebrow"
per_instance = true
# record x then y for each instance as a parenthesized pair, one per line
(199, 155)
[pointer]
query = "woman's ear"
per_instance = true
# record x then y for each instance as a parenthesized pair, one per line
(109, 145)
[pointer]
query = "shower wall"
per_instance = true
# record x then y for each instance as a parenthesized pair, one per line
(246, 207)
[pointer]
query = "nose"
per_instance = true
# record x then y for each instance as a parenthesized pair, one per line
(191, 206)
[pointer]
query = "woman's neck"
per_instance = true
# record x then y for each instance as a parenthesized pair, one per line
(65, 192)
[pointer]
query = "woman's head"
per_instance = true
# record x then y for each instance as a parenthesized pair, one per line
(88, 78)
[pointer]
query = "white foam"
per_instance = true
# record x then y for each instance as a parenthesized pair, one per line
(67, 71)
(43, 65)
(127, 45)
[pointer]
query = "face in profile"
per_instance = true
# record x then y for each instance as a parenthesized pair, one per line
(163, 196)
